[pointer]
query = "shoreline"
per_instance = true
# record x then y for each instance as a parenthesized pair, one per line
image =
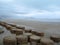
(49, 27)
(45, 27)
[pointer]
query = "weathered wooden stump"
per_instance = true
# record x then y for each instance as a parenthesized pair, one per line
(17, 31)
(9, 40)
(46, 41)
(28, 36)
(33, 32)
(13, 25)
(1, 31)
(8, 27)
(20, 27)
(0, 22)
(22, 40)
(34, 40)
(28, 30)
(3, 24)
(13, 31)
(55, 38)
(40, 34)
(12, 28)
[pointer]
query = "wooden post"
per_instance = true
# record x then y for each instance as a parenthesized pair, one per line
(34, 40)
(1, 31)
(46, 41)
(20, 27)
(55, 38)
(28, 36)
(22, 40)
(28, 31)
(9, 40)
(17, 31)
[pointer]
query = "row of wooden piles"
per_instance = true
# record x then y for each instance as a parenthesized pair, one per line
(27, 36)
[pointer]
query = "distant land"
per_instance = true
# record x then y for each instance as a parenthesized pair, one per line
(2, 17)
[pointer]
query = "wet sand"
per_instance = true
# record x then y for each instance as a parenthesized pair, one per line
(48, 28)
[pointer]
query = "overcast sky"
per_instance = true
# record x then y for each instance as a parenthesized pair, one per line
(31, 8)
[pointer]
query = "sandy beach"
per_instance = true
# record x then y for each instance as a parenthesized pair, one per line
(48, 28)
